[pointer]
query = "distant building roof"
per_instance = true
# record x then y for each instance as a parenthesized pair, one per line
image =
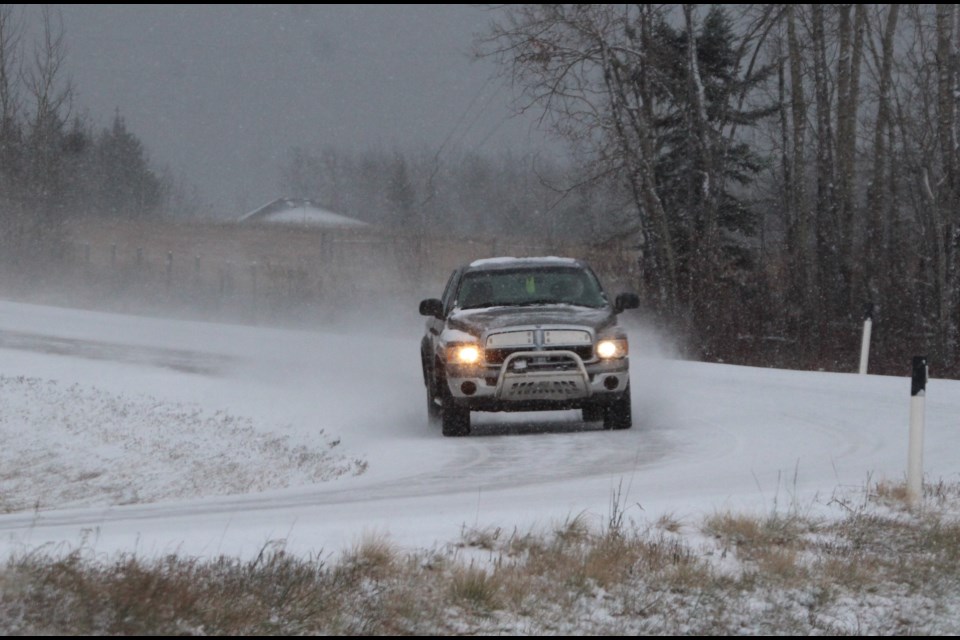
(299, 211)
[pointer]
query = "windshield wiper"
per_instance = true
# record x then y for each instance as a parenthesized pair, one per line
(531, 303)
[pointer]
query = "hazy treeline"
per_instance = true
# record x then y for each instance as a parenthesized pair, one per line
(786, 164)
(54, 164)
(456, 191)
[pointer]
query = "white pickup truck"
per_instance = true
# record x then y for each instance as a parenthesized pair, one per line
(525, 334)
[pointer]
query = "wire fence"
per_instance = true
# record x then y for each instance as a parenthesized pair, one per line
(263, 273)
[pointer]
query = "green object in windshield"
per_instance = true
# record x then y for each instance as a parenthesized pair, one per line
(531, 285)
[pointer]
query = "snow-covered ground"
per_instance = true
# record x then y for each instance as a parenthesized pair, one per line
(126, 433)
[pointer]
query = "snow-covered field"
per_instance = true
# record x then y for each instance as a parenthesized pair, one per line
(141, 434)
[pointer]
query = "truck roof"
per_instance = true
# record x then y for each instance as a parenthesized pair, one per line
(506, 262)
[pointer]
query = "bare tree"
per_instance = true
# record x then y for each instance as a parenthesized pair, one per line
(912, 224)
(710, 180)
(10, 36)
(850, 54)
(799, 216)
(50, 96)
(877, 215)
(826, 214)
(944, 201)
(589, 69)
(869, 167)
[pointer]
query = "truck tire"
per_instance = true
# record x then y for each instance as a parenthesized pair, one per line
(455, 421)
(592, 413)
(618, 414)
(434, 399)
(433, 407)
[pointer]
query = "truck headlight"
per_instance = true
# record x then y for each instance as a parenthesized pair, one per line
(464, 354)
(608, 349)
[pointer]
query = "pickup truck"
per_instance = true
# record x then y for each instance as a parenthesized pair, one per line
(525, 334)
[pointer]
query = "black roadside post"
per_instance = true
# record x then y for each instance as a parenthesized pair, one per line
(918, 392)
(865, 344)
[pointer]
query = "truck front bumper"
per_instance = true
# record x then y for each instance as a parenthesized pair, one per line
(554, 380)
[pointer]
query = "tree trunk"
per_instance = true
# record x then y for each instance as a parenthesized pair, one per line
(706, 256)
(798, 229)
(825, 222)
(946, 198)
(848, 90)
(875, 249)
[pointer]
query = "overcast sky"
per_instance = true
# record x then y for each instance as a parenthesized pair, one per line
(220, 92)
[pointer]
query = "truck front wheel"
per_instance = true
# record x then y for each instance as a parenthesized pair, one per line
(454, 420)
(618, 414)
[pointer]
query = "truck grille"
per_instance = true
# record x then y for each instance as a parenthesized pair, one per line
(543, 390)
(497, 356)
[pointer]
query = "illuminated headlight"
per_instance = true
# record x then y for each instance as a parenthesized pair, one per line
(607, 349)
(464, 354)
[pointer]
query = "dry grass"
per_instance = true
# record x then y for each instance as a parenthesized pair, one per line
(474, 587)
(262, 274)
(372, 557)
(876, 570)
(749, 534)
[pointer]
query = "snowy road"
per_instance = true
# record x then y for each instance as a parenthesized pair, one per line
(706, 438)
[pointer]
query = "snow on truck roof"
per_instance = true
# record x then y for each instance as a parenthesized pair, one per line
(508, 261)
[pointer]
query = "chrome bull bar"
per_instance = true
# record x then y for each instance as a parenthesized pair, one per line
(543, 384)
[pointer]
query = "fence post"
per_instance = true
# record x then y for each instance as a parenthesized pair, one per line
(419, 248)
(865, 344)
(169, 269)
(918, 392)
(253, 298)
(326, 265)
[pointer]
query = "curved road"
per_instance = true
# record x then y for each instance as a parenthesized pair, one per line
(706, 438)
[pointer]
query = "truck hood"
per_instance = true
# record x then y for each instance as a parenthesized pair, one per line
(476, 321)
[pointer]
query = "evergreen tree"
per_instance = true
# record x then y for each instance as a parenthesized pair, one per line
(81, 173)
(679, 166)
(401, 195)
(127, 186)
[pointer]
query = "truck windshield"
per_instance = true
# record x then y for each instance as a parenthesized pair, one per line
(525, 286)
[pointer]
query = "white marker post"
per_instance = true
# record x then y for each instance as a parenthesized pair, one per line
(865, 345)
(918, 392)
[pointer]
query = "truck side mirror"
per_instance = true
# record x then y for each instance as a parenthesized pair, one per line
(626, 301)
(432, 307)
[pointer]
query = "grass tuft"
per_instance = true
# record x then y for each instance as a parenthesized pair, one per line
(877, 569)
(475, 587)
